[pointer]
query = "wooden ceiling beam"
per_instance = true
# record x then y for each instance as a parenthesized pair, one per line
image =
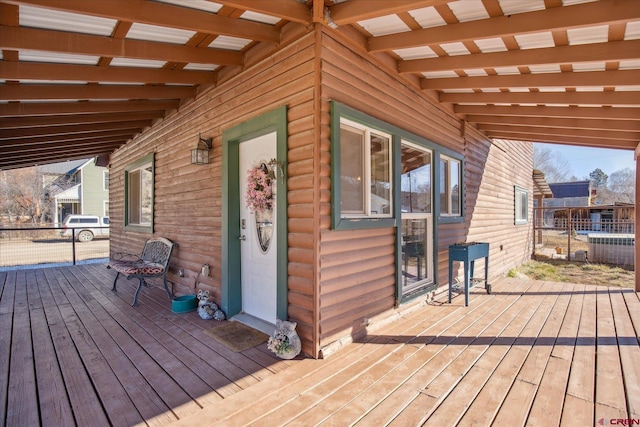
(569, 123)
(22, 92)
(584, 79)
(597, 52)
(556, 139)
(16, 164)
(575, 16)
(360, 10)
(70, 129)
(291, 10)
(76, 119)
(568, 98)
(22, 109)
(578, 133)
(617, 113)
(55, 139)
(61, 151)
(30, 147)
(89, 73)
(84, 44)
(164, 15)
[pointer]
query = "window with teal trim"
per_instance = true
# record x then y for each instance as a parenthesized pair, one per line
(365, 175)
(139, 185)
(361, 170)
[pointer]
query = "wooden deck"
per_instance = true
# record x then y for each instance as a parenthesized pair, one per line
(531, 353)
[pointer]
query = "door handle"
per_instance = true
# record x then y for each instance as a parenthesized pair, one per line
(243, 237)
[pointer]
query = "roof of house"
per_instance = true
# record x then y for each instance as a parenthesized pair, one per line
(563, 190)
(62, 168)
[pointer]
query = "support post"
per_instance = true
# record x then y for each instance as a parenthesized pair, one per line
(637, 220)
(569, 228)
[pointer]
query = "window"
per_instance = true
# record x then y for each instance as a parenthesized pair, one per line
(105, 180)
(365, 177)
(521, 205)
(450, 186)
(416, 218)
(139, 183)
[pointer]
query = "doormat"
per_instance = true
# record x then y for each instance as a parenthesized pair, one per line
(237, 336)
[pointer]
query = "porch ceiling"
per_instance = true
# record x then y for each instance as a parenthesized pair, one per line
(81, 78)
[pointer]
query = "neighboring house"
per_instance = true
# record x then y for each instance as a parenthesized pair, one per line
(77, 187)
(570, 194)
(585, 217)
(363, 166)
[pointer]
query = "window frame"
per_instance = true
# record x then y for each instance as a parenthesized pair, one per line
(340, 221)
(518, 193)
(139, 164)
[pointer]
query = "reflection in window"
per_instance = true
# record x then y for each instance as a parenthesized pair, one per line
(416, 180)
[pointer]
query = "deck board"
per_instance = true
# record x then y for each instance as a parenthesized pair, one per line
(72, 352)
(629, 352)
(610, 391)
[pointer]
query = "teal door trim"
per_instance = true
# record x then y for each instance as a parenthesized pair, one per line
(231, 291)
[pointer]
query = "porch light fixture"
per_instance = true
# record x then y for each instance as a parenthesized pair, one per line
(200, 154)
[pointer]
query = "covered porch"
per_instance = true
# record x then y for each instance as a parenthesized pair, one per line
(530, 353)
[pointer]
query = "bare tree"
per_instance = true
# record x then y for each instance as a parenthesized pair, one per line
(555, 167)
(622, 185)
(22, 196)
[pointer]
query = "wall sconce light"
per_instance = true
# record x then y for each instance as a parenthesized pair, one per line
(200, 154)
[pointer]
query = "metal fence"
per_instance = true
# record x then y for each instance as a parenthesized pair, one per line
(597, 234)
(38, 247)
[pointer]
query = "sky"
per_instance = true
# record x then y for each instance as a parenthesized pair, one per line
(583, 160)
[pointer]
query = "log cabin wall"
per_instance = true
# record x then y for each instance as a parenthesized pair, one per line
(337, 280)
(492, 170)
(357, 267)
(188, 198)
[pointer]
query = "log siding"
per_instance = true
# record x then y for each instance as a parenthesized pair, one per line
(358, 267)
(338, 281)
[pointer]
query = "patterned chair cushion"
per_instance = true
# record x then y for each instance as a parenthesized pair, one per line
(136, 267)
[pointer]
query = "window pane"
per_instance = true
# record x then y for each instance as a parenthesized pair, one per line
(416, 180)
(146, 195)
(454, 186)
(134, 197)
(352, 171)
(444, 185)
(450, 187)
(380, 175)
(415, 239)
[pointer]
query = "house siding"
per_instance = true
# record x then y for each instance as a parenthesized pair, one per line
(337, 280)
(188, 197)
(93, 193)
(357, 267)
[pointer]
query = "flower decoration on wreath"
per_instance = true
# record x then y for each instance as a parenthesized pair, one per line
(259, 189)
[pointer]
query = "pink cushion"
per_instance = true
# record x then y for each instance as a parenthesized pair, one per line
(136, 267)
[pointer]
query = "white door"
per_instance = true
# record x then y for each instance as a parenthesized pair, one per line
(258, 235)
